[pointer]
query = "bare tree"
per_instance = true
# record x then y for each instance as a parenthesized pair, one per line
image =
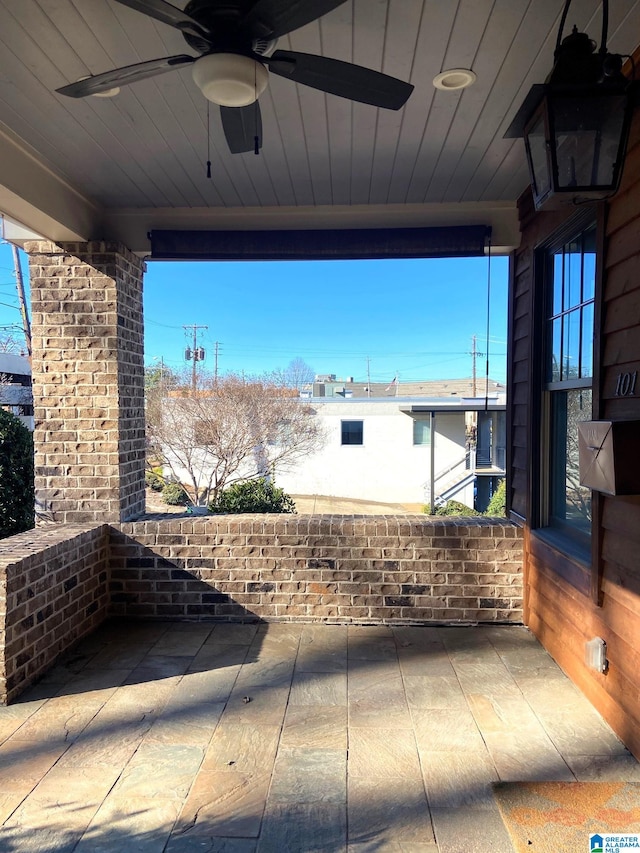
(578, 497)
(296, 374)
(235, 430)
(158, 381)
(9, 343)
(14, 396)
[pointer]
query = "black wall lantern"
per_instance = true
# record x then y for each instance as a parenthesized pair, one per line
(576, 125)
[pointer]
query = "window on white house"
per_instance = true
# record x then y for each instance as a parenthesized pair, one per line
(421, 431)
(352, 432)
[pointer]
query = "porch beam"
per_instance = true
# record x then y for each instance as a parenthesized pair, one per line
(34, 196)
(132, 226)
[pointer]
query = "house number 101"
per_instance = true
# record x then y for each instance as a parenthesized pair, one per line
(626, 384)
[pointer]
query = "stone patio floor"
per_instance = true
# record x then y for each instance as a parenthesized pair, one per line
(277, 737)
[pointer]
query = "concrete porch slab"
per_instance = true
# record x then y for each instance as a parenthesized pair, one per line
(176, 737)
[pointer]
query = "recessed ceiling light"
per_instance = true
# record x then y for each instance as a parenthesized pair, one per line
(454, 78)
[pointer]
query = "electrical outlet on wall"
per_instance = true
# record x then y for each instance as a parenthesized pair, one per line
(596, 654)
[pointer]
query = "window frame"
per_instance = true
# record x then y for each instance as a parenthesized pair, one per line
(344, 443)
(425, 424)
(577, 548)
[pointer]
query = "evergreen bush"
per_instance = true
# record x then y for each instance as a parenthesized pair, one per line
(498, 503)
(175, 495)
(17, 497)
(253, 496)
(451, 508)
(154, 479)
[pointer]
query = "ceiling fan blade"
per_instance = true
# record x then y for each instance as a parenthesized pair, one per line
(340, 78)
(275, 18)
(123, 76)
(168, 14)
(241, 126)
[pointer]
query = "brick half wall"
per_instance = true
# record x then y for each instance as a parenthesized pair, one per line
(58, 583)
(53, 591)
(328, 568)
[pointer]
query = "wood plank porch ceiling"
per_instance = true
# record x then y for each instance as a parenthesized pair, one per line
(139, 160)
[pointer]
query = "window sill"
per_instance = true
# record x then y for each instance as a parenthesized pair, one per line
(563, 557)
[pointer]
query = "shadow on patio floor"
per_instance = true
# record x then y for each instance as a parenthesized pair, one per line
(289, 737)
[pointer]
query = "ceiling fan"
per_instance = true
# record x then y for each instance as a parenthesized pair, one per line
(236, 41)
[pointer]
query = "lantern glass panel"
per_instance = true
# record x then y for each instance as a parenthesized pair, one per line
(536, 142)
(587, 131)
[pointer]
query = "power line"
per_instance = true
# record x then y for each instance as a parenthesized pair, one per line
(162, 325)
(24, 313)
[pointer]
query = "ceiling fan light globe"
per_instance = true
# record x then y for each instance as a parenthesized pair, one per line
(230, 79)
(108, 93)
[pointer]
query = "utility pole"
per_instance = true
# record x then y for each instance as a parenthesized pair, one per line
(162, 376)
(474, 355)
(215, 369)
(26, 326)
(194, 353)
(368, 376)
(473, 362)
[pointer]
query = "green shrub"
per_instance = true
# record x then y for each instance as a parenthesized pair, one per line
(498, 503)
(457, 508)
(154, 479)
(253, 496)
(174, 495)
(450, 508)
(17, 499)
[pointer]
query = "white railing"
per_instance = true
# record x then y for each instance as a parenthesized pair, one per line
(458, 474)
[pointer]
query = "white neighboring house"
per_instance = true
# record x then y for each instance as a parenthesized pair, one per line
(385, 449)
(16, 394)
(382, 449)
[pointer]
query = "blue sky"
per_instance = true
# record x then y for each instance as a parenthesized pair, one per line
(10, 319)
(410, 318)
(414, 318)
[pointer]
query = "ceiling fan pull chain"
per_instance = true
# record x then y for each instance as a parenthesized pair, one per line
(256, 140)
(486, 377)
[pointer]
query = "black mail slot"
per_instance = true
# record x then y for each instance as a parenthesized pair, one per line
(610, 456)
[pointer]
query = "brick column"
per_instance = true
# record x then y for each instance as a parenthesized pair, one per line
(88, 381)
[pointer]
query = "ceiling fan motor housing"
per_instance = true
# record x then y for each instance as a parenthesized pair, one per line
(230, 79)
(235, 41)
